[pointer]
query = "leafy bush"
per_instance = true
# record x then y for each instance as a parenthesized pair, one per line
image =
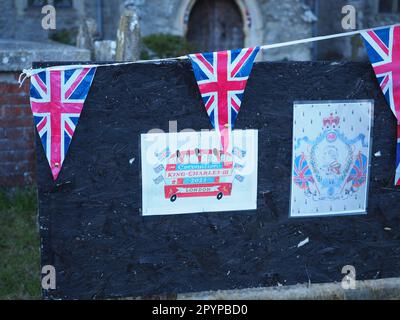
(161, 45)
(65, 36)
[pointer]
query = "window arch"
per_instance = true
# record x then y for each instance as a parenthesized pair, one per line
(215, 25)
(253, 27)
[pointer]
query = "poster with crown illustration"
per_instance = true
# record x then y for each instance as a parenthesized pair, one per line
(331, 157)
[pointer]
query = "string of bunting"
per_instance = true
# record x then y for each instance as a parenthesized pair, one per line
(58, 93)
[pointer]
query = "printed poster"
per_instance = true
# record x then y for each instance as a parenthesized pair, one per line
(331, 158)
(187, 172)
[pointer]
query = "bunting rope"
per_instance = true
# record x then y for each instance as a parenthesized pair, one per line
(27, 73)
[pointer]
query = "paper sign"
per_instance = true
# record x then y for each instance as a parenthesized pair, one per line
(331, 158)
(188, 172)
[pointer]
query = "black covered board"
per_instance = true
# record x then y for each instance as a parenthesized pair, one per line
(91, 226)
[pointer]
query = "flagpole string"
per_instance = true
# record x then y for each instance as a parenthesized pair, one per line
(308, 40)
(320, 38)
(27, 73)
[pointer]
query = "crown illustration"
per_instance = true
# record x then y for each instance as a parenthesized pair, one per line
(331, 121)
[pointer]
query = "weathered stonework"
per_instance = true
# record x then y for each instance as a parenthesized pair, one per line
(128, 37)
(18, 55)
(264, 22)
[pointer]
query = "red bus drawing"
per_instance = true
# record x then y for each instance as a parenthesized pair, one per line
(198, 173)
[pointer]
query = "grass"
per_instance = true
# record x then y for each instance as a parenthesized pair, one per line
(19, 245)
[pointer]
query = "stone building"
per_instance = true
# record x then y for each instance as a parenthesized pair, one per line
(210, 24)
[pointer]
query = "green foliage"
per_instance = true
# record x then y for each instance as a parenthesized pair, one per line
(19, 245)
(66, 36)
(18, 200)
(160, 46)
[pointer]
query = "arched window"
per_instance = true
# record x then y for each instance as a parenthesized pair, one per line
(215, 25)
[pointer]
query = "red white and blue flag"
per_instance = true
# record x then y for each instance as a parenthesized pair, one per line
(358, 173)
(222, 78)
(57, 99)
(302, 175)
(383, 48)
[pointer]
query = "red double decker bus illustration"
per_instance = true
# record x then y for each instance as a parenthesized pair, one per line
(198, 173)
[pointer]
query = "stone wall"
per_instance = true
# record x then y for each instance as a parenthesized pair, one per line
(269, 18)
(278, 20)
(7, 24)
(21, 22)
(280, 16)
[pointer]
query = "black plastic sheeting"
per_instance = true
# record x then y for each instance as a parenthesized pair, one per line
(91, 226)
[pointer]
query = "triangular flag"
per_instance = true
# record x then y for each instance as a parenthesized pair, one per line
(383, 48)
(222, 78)
(57, 99)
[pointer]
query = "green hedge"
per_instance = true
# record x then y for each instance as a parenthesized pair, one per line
(161, 45)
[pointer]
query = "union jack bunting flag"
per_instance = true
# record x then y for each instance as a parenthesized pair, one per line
(239, 178)
(222, 78)
(57, 98)
(383, 48)
(302, 174)
(238, 152)
(159, 168)
(159, 179)
(238, 166)
(358, 173)
(163, 154)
